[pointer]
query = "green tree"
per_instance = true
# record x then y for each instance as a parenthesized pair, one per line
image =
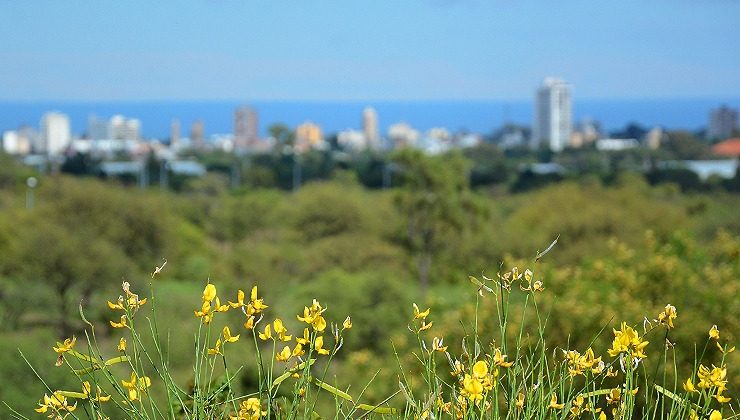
(436, 201)
(70, 263)
(684, 145)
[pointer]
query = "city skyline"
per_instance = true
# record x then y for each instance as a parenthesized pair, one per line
(332, 50)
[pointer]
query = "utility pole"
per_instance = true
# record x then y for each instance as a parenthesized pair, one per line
(163, 174)
(143, 176)
(296, 171)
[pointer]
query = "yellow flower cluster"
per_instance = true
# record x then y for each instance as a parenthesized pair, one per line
(211, 304)
(312, 338)
(227, 338)
(421, 316)
(714, 334)
(627, 340)
(578, 364)
(249, 409)
(482, 378)
(86, 389)
(313, 316)
(474, 385)
(56, 405)
(667, 316)
(252, 308)
(526, 280)
(714, 379)
(129, 304)
(136, 386)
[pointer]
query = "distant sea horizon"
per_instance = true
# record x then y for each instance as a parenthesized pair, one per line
(480, 116)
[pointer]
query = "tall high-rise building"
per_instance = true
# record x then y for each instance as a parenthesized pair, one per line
(553, 117)
(197, 135)
(246, 129)
(174, 133)
(55, 133)
(722, 122)
(370, 128)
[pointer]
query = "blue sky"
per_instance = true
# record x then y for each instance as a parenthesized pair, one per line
(366, 50)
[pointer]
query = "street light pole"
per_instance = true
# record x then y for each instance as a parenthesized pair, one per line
(31, 183)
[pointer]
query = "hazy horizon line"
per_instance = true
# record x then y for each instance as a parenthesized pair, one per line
(391, 100)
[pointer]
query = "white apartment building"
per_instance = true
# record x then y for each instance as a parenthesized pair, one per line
(55, 133)
(553, 122)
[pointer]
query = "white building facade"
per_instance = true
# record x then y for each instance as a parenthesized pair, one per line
(55, 133)
(553, 122)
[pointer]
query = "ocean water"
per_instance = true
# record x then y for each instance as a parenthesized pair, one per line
(476, 116)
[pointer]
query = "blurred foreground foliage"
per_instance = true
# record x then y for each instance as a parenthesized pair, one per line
(624, 250)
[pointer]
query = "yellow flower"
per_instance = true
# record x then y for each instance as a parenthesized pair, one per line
(258, 305)
(577, 408)
(714, 332)
(205, 312)
(122, 344)
(306, 339)
(588, 360)
(116, 306)
(228, 338)
(280, 330)
(136, 386)
(318, 345)
(537, 286)
(716, 415)
(313, 316)
(724, 349)
(219, 307)
(577, 363)
(347, 324)
(473, 388)
(714, 377)
(425, 326)
(319, 323)
(121, 324)
(437, 345)
(688, 386)
(284, 355)
(626, 340)
(720, 398)
(216, 349)
(99, 397)
(239, 300)
(614, 396)
(419, 314)
(132, 302)
(667, 316)
(554, 403)
(298, 350)
(500, 359)
(267, 334)
(250, 409)
(520, 401)
(458, 368)
(249, 324)
(480, 369)
(209, 293)
(66, 346)
(57, 403)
